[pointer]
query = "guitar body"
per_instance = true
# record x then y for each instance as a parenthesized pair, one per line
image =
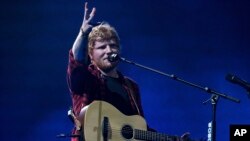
(103, 122)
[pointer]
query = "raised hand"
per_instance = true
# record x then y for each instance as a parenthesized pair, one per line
(78, 48)
(86, 26)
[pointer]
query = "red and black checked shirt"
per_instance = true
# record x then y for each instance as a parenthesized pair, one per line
(86, 84)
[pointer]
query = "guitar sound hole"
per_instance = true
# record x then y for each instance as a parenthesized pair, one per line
(127, 132)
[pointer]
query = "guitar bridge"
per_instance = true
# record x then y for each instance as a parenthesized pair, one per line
(106, 132)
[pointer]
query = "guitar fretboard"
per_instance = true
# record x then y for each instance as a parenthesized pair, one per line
(153, 136)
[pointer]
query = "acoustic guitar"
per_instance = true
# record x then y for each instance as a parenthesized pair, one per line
(101, 121)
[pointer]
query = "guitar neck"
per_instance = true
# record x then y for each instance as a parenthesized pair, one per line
(153, 136)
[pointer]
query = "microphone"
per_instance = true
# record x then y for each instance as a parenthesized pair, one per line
(114, 57)
(236, 80)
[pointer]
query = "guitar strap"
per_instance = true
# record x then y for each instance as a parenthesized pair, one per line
(132, 94)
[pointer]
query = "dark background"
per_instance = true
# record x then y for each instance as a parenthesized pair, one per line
(199, 41)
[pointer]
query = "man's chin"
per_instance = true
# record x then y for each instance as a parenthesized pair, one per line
(108, 68)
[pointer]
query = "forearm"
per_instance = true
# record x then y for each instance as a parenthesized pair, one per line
(79, 48)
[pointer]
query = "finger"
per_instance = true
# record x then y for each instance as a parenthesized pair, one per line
(85, 11)
(86, 5)
(92, 14)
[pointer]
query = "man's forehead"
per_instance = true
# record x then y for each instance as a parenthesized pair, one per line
(107, 41)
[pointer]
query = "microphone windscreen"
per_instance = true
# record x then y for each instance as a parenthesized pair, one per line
(113, 57)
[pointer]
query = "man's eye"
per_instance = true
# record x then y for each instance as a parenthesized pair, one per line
(101, 47)
(113, 46)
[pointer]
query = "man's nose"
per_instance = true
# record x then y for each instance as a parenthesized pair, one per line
(108, 49)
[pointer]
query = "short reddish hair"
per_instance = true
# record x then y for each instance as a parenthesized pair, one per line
(102, 32)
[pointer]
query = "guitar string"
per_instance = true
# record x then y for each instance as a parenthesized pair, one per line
(141, 133)
(128, 130)
(117, 133)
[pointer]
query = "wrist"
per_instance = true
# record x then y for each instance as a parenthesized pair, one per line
(85, 30)
(82, 33)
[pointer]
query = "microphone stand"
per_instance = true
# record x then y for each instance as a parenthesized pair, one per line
(214, 97)
(212, 125)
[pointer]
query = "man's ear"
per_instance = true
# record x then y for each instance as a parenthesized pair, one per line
(89, 53)
(90, 56)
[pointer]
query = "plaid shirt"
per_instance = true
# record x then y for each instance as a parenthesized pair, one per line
(86, 84)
